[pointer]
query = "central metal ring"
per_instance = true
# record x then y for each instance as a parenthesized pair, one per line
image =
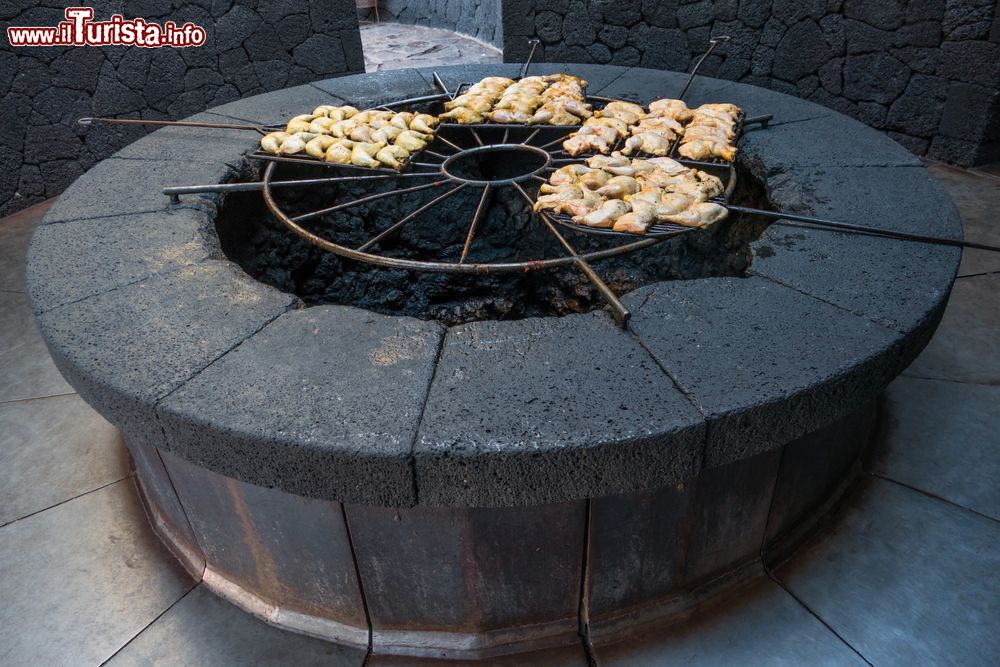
(495, 148)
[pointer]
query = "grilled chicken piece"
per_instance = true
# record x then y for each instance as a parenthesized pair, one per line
(619, 187)
(604, 216)
(553, 200)
(509, 116)
(340, 152)
(363, 155)
(569, 173)
(672, 203)
(321, 125)
(411, 141)
(594, 179)
(617, 124)
(299, 124)
(705, 149)
(317, 146)
(296, 143)
(635, 222)
(652, 143)
(272, 142)
(598, 138)
(424, 122)
(626, 111)
(669, 108)
(392, 156)
(700, 214)
(464, 115)
(664, 124)
(669, 165)
(387, 134)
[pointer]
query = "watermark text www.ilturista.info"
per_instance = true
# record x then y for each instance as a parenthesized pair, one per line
(79, 29)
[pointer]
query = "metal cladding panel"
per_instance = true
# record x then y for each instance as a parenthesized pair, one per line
(474, 570)
(652, 548)
(290, 551)
(164, 507)
(814, 466)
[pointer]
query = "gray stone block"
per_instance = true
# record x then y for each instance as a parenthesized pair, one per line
(344, 432)
(543, 410)
(745, 350)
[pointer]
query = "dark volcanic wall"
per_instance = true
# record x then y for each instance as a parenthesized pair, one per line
(476, 18)
(925, 71)
(252, 47)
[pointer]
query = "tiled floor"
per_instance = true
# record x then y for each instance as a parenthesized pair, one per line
(396, 46)
(909, 576)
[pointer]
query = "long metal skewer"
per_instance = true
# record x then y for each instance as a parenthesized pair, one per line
(399, 225)
(480, 209)
(531, 54)
(171, 123)
(251, 186)
(863, 229)
(618, 309)
(365, 200)
(712, 43)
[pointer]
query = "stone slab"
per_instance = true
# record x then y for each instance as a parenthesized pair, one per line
(376, 88)
(541, 410)
(275, 108)
(127, 348)
(202, 629)
(123, 186)
(15, 234)
(82, 579)
(943, 438)
(977, 197)
(80, 258)
(346, 429)
(28, 368)
(965, 348)
(905, 579)
(902, 285)
(765, 363)
(52, 450)
(762, 627)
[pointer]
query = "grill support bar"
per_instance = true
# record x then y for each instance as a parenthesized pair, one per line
(618, 309)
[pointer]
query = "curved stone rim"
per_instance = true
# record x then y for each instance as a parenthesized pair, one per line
(173, 343)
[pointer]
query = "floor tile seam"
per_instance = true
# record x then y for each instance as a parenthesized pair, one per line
(930, 494)
(37, 398)
(68, 500)
(150, 624)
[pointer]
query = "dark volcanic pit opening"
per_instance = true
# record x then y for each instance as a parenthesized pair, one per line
(496, 165)
(508, 232)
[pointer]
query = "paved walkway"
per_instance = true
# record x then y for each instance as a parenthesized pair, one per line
(908, 576)
(397, 46)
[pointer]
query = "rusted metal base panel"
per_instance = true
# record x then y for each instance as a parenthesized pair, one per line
(163, 508)
(655, 559)
(477, 583)
(284, 558)
(472, 583)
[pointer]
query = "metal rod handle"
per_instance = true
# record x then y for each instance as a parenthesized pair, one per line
(531, 54)
(862, 229)
(170, 123)
(618, 309)
(712, 43)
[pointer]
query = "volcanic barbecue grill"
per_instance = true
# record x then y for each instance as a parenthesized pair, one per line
(286, 449)
(439, 166)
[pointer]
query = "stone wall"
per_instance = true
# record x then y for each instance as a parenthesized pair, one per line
(252, 47)
(476, 18)
(927, 72)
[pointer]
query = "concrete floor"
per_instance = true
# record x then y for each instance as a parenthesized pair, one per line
(397, 46)
(907, 577)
